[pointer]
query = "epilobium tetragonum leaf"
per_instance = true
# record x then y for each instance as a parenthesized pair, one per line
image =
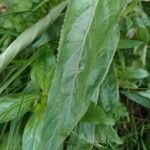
(27, 37)
(88, 42)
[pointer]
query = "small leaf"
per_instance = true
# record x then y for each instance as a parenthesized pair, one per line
(142, 31)
(84, 57)
(32, 133)
(96, 115)
(83, 137)
(133, 73)
(145, 93)
(42, 71)
(109, 93)
(128, 84)
(127, 43)
(107, 133)
(142, 98)
(15, 136)
(12, 106)
(21, 5)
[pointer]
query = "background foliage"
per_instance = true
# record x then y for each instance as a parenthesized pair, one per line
(74, 77)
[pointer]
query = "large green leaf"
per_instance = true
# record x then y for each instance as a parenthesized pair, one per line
(12, 106)
(83, 61)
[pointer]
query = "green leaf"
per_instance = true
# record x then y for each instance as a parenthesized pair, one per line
(142, 98)
(109, 93)
(28, 36)
(32, 133)
(120, 112)
(83, 137)
(145, 93)
(43, 71)
(106, 134)
(127, 43)
(12, 106)
(133, 73)
(20, 70)
(15, 135)
(128, 85)
(109, 101)
(52, 34)
(142, 53)
(85, 55)
(143, 34)
(109, 96)
(96, 115)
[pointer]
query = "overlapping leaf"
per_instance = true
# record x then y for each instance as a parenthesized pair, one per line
(109, 101)
(41, 76)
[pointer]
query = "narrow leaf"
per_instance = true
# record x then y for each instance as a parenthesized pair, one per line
(28, 36)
